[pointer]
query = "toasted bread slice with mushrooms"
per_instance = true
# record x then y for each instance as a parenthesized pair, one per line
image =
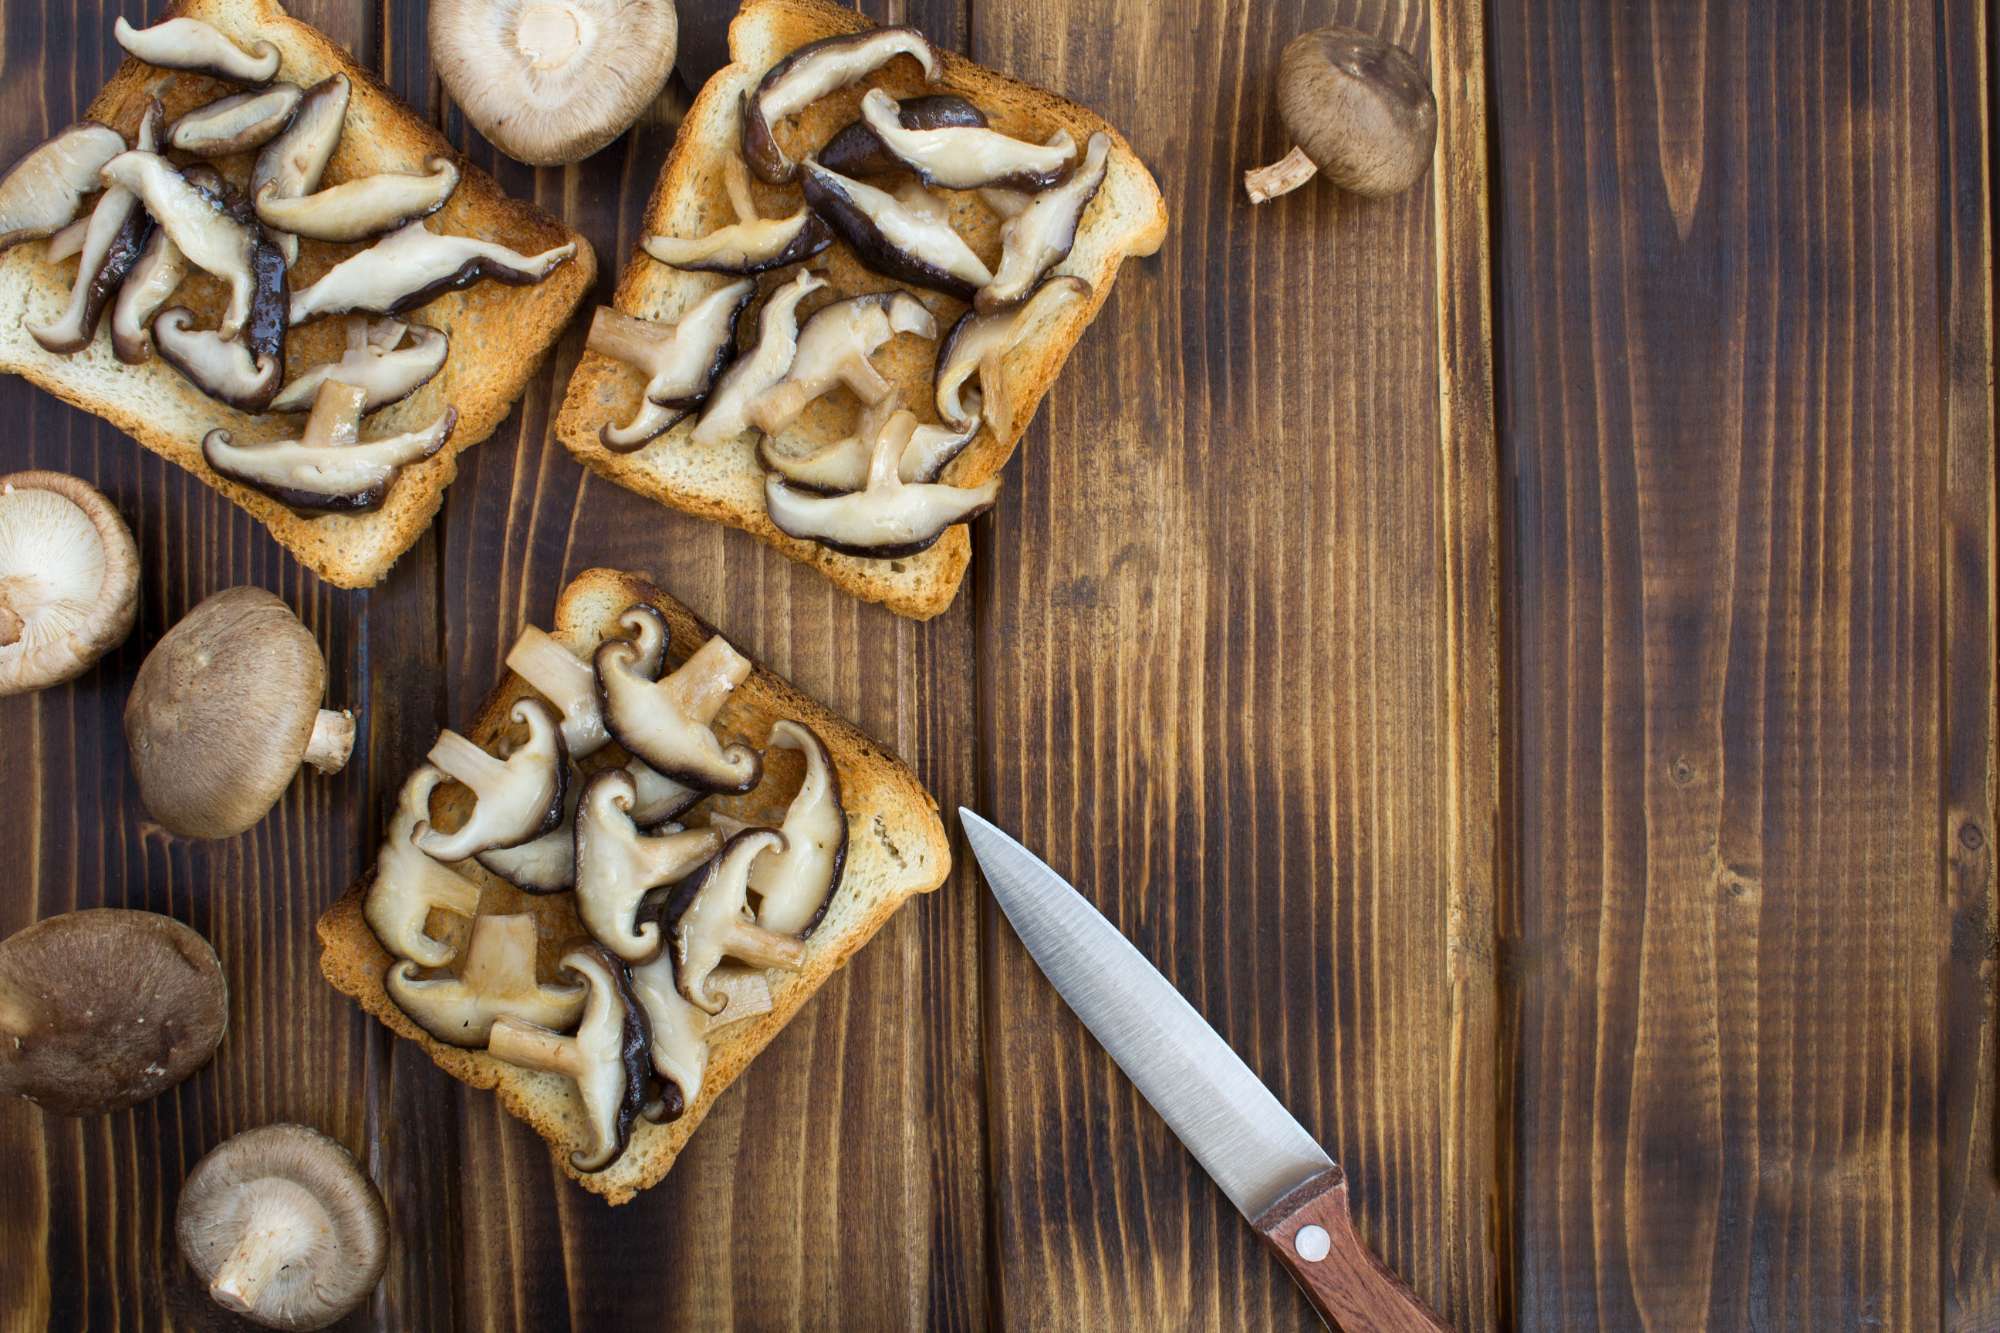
(1128, 217)
(896, 848)
(499, 334)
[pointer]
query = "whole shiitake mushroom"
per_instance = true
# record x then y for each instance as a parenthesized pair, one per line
(1359, 111)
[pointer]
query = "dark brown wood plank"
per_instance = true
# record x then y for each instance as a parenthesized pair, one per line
(1237, 598)
(1746, 363)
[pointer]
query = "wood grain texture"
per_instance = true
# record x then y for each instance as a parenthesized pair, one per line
(1746, 363)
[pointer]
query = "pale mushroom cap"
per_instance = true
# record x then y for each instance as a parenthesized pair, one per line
(105, 1008)
(303, 1195)
(221, 713)
(69, 579)
(552, 81)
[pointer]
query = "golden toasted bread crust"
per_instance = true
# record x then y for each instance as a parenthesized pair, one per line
(499, 334)
(1128, 217)
(896, 848)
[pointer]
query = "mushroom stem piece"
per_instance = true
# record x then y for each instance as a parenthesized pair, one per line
(519, 798)
(332, 740)
(277, 1227)
(1358, 109)
(714, 923)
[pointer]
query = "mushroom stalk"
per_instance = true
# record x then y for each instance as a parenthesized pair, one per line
(467, 762)
(762, 948)
(533, 1047)
(1288, 173)
(332, 740)
(282, 1225)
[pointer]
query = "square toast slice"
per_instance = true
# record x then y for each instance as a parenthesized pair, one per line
(499, 334)
(726, 484)
(896, 849)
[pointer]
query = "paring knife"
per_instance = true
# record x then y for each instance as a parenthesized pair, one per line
(1271, 1169)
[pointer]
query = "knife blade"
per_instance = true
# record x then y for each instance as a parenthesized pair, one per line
(1275, 1172)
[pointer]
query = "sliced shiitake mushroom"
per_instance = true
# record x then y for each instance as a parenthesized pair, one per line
(329, 468)
(548, 864)
(190, 44)
(111, 245)
(569, 683)
(967, 157)
(42, 193)
(292, 163)
(681, 361)
(855, 151)
(617, 866)
(496, 979)
(726, 414)
(226, 369)
(150, 285)
(714, 922)
(236, 124)
(681, 1032)
(1041, 235)
(199, 223)
(810, 73)
(886, 518)
(414, 265)
(833, 348)
(795, 883)
(978, 344)
(376, 361)
(519, 798)
(665, 722)
(893, 239)
(361, 208)
(606, 1059)
(408, 885)
(842, 466)
(752, 244)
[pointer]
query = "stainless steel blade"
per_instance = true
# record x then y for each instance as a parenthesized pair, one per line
(1229, 1120)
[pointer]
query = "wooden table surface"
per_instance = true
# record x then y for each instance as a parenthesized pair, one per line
(1520, 656)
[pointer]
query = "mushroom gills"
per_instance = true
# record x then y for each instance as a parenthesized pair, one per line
(519, 798)
(236, 124)
(198, 223)
(328, 469)
(376, 361)
(886, 518)
(69, 579)
(112, 242)
(714, 923)
(496, 979)
(680, 1031)
(681, 361)
(606, 1059)
(855, 151)
(190, 44)
(414, 265)
(617, 866)
(810, 73)
(1042, 234)
(842, 466)
(223, 368)
(893, 239)
(408, 885)
(752, 244)
(834, 347)
(966, 157)
(293, 163)
(149, 286)
(359, 209)
(43, 192)
(665, 723)
(795, 884)
(726, 414)
(978, 345)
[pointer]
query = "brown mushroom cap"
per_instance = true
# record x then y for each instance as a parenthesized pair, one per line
(1358, 109)
(104, 1008)
(225, 709)
(283, 1227)
(69, 579)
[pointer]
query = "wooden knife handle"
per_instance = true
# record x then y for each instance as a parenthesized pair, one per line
(1313, 1233)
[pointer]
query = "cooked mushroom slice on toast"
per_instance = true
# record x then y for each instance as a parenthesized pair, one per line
(548, 864)
(752, 244)
(855, 151)
(658, 798)
(225, 369)
(409, 885)
(377, 361)
(359, 209)
(292, 163)
(414, 265)
(606, 1059)
(726, 414)
(810, 73)
(680, 1031)
(967, 157)
(842, 466)
(978, 345)
(497, 978)
(665, 722)
(834, 347)
(715, 922)
(43, 192)
(329, 468)
(887, 517)
(199, 223)
(680, 361)
(519, 798)
(568, 682)
(112, 242)
(192, 45)
(150, 285)
(67, 243)
(893, 239)
(236, 124)
(1040, 236)
(617, 866)
(795, 884)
